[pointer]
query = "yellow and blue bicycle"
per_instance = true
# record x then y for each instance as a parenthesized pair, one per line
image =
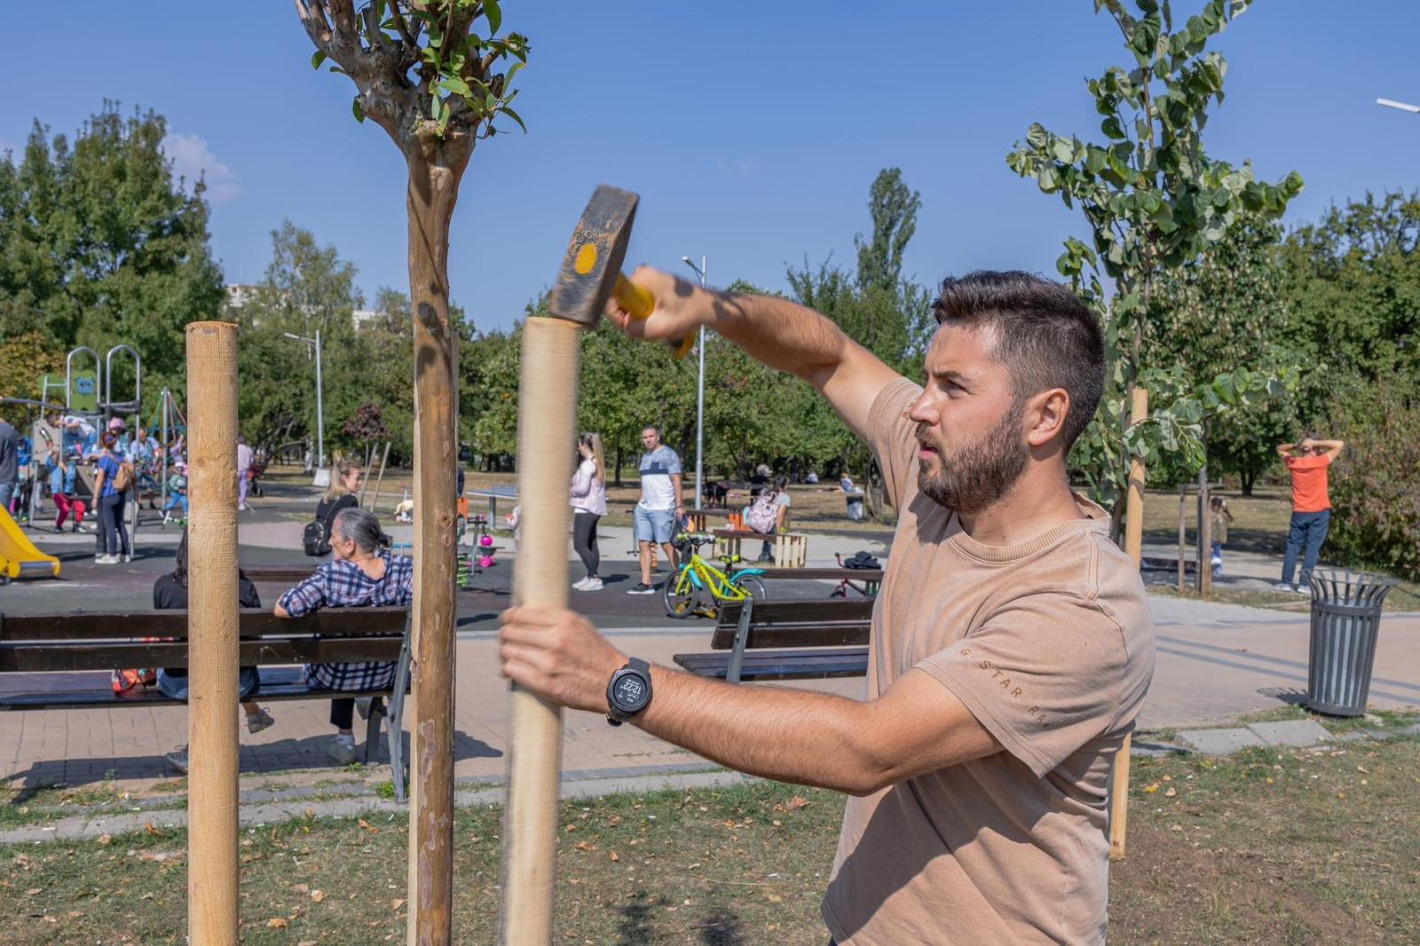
(684, 592)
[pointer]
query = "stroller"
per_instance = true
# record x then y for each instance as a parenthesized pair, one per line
(258, 466)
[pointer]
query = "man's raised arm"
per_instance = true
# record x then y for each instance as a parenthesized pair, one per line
(777, 332)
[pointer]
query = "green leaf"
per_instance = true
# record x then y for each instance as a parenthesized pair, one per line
(515, 117)
(317, 58)
(494, 14)
(1037, 136)
(455, 85)
(358, 111)
(1063, 150)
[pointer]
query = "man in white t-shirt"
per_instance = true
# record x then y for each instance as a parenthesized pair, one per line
(661, 505)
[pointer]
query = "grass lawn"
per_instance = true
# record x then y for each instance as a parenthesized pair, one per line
(1275, 846)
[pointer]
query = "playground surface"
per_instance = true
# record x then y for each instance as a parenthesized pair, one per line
(1215, 661)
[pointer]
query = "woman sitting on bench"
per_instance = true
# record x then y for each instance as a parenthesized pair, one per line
(170, 592)
(363, 574)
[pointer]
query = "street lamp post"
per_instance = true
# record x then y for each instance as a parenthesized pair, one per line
(320, 401)
(1403, 106)
(699, 395)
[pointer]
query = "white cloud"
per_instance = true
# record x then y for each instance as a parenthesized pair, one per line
(192, 159)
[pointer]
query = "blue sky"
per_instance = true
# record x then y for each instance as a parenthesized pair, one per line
(751, 132)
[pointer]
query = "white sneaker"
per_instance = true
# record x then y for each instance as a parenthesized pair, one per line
(342, 749)
(592, 584)
(106, 560)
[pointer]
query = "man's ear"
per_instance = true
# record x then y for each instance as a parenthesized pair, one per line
(1045, 417)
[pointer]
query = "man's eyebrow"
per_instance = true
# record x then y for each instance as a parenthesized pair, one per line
(955, 377)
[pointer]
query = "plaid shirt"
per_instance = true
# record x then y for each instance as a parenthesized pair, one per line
(343, 585)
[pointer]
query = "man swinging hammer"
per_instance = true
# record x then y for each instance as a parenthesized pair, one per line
(1012, 643)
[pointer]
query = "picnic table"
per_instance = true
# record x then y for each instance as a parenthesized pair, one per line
(791, 549)
(493, 494)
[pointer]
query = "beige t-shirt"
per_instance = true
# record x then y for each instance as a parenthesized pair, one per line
(1050, 644)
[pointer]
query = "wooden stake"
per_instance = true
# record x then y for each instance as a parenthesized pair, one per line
(1205, 538)
(1134, 545)
(212, 634)
(547, 415)
(375, 502)
(1182, 534)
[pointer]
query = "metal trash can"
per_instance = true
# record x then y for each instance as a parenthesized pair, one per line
(1346, 619)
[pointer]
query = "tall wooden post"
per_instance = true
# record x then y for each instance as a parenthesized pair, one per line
(547, 416)
(1134, 545)
(1205, 536)
(213, 656)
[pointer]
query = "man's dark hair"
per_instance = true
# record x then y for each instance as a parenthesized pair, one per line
(1044, 335)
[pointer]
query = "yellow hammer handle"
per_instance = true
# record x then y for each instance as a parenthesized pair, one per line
(633, 298)
(640, 304)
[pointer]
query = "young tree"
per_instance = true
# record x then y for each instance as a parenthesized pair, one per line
(434, 74)
(1153, 200)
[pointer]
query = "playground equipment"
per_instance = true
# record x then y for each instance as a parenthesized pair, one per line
(18, 554)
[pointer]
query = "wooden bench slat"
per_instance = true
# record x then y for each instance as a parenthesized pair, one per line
(781, 664)
(855, 574)
(62, 657)
(825, 623)
(252, 623)
(93, 690)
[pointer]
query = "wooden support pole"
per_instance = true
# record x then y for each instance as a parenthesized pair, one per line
(1182, 535)
(1205, 537)
(547, 416)
(212, 868)
(1134, 545)
(431, 793)
(384, 459)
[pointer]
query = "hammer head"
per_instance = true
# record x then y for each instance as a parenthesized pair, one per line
(594, 257)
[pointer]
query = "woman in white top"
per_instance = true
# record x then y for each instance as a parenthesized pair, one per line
(589, 505)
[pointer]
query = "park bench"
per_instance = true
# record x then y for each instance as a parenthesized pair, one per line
(44, 659)
(811, 639)
(872, 578)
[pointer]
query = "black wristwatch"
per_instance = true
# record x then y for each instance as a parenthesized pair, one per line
(629, 691)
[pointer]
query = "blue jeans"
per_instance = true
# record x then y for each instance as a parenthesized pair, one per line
(1307, 533)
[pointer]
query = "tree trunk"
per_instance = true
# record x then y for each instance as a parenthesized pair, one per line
(617, 482)
(1248, 477)
(433, 191)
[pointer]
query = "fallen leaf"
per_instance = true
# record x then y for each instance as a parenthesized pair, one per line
(1362, 769)
(570, 827)
(302, 888)
(584, 846)
(277, 923)
(368, 827)
(105, 839)
(1150, 789)
(775, 898)
(1169, 792)
(396, 904)
(146, 896)
(306, 942)
(317, 895)
(615, 856)
(798, 802)
(152, 829)
(777, 823)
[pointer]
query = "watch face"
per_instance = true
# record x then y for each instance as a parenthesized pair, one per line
(630, 692)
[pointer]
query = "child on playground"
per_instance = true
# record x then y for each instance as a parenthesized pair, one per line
(1221, 518)
(61, 489)
(177, 493)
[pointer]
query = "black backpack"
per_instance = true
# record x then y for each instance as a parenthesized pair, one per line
(314, 539)
(861, 560)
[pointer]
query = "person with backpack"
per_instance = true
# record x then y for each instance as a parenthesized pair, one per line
(340, 496)
(769, 513)
(112, 480)
(362, 574)
(170, 592)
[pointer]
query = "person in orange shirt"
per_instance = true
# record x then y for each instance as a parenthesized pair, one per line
(1307, 463)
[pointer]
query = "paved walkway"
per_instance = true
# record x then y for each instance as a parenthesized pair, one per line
(1215, 661)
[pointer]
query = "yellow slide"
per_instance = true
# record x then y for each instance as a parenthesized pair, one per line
(18, 553)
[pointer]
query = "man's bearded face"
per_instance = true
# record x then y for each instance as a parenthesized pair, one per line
(971, 477)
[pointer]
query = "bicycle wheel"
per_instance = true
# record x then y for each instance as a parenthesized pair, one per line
(753, 587)
(681, 596)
